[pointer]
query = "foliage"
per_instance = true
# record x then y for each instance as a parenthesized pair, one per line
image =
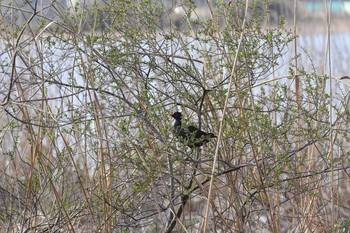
(86, 134)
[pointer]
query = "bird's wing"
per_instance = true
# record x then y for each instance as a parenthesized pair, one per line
(192, 136)
(194, 133)
(192, 129)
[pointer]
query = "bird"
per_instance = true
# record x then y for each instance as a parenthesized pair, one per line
(191, 136)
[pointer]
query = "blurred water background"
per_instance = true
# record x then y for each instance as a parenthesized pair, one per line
(311, 24)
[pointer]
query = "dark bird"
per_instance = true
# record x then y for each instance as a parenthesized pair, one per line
(191, 136)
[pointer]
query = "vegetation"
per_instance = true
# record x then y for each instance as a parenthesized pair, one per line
(86, 137)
